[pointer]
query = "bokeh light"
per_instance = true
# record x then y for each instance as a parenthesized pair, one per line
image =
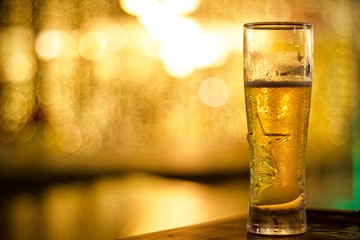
(105, 90)
(49, 44)
(126, 78)
(92, 45)
(213, 92)
(116, 36)
(172, 7)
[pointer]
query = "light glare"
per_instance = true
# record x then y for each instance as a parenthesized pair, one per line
(173, 7)
(48, 44)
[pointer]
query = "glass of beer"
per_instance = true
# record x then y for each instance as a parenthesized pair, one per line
(278, 63)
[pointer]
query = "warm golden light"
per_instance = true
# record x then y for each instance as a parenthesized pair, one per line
(49, 44)
(184, 45)
(190, 48)
(172, 7)
(19, 67)
(132, 86)
(92, 45)
(68, 138)
(339, 131)
(23, 209)
(132, 76)
(16, 49)
(281, 10)
(116, 37)
(109, 68)
(213, 92)
(19, 103)
(114, 207)
(177, 45)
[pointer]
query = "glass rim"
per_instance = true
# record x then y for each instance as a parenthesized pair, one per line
(277, 25)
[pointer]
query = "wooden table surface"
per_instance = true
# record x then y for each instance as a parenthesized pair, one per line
(323, 225)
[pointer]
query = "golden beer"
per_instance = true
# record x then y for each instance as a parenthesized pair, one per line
(278, 62)
(277, 115)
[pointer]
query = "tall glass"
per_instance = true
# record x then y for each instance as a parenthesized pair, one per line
(278, 62)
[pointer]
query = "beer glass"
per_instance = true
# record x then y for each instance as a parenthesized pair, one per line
(278, 62)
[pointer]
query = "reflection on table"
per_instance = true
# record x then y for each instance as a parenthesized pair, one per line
(122, 205)
(111, 207)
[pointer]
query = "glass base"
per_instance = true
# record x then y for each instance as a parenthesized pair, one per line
(269, 221)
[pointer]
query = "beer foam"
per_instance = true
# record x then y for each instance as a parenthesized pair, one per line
(276, 84)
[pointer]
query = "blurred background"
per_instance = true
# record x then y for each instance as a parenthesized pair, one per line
(102, 101)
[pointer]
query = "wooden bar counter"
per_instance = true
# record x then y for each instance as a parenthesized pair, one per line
(326, 225)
